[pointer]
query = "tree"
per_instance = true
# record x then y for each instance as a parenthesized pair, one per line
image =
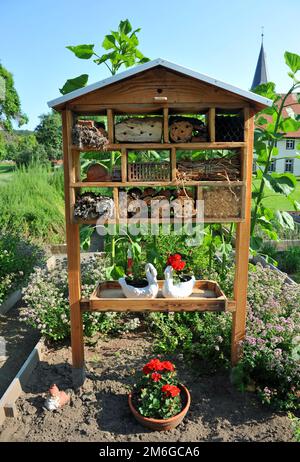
(49, 134)
(25, 149)
(271, 127)
(121, 50)
(10, 106)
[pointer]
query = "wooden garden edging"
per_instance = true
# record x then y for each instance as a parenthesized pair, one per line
(14, 390)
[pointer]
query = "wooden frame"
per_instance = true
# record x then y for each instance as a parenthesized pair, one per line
(183, 95)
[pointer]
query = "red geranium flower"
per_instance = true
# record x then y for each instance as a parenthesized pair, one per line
(176, 262)
(170, 390)
(153, 365)
(178, 265)
(168, 366)
(155, 377)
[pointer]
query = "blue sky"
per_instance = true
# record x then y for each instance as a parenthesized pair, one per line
(220, 38)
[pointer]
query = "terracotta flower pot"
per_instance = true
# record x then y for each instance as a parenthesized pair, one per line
(162, 424)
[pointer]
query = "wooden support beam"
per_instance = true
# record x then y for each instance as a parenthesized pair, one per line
(73, 251)
(110, 126)
(173, 164)
(124, 165)
(212, 124)
(166, 124)
(242, 250)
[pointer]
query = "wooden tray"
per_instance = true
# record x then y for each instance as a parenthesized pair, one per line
(206, 296)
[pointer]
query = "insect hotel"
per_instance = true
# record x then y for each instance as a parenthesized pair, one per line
(163, 107)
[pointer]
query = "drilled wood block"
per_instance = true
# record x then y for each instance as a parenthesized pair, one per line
(147, 129)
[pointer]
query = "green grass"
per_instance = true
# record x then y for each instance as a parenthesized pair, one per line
(6, 173)
(32, 204)
(277, 201)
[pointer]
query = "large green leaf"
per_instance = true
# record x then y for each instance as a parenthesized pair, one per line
(82, 51)
(109, 42)
(267, 90)
(293, 61)
(74, 84)
(289, 125)
(125, 26)
(284, 183)
(285, 219)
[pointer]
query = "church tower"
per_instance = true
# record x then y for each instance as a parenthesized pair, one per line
(260, 75)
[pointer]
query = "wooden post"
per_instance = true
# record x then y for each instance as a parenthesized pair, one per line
(73, 251)
(212, 124)
(166, 125)
(173, 164)
(110, 126)
(242, 248)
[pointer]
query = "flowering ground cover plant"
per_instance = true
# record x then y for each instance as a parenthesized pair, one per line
(157, 394)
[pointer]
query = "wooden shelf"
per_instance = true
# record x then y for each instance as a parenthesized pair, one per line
(206, 296)
(183, 146)
(119, 184)
(158, 221)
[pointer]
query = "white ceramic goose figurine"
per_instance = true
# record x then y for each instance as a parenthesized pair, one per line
(150, 291)
(180, 290)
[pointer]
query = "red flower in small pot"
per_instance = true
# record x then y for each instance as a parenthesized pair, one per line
(158, 401)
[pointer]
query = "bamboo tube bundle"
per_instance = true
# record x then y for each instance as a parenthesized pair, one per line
(212, 169)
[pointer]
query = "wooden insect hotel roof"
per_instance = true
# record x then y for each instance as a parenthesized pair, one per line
(188, 84)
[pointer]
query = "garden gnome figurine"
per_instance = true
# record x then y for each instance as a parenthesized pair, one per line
(56, 398)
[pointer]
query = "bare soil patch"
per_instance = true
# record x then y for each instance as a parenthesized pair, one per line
(99, 411)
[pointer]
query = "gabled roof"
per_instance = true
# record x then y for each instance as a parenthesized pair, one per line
(260, 75)
(168, 65)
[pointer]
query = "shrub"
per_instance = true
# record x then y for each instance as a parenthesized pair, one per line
(271, 359)
(31, 206)
(48, 308)
(17, 259)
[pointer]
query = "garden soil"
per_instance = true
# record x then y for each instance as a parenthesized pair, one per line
(99, 411)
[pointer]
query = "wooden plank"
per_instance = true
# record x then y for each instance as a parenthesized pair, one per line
(242, 252)
(110, 126)
(123, 166)
(166, 125)
(13, 392)
(161, 220)
(143, 87)
(173, 165)
(212, 124)
(73, 251)
(116, 204)
(121, 108)
(85, 306)
(182, 146)
(121, 184)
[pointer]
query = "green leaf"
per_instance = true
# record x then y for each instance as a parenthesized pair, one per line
(293, 61)
(144, 60)
(82, 51)
(267, 90)
(109, 42)
(256, 242)
(285, 219)
(296, 205)
(284, 183)
(125, 26)
(289, 125)
(74, 84)
(261, 121)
